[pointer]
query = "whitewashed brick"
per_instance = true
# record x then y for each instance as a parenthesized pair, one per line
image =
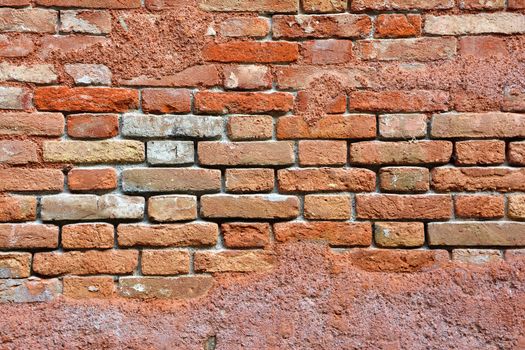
(170, 152)
(89, 74)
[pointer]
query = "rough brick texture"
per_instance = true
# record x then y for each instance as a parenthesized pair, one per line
(165, 149)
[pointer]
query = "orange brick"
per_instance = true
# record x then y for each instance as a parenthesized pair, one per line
(233, 261)
(165, 262)
(249, 180)
(88, 236)
(81, 99)
(89, 287)
(397, 26)
(92, 179)
(335, 233)
(17, 208)
(325, 207)
(243, 102)
(246, 235)
(483, 152)
(92, 126)
(479, 206)
(164, 101)
(322, 153)
(250, 127)
(251, 52)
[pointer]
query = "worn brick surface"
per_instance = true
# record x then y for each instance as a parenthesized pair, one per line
(169, 149)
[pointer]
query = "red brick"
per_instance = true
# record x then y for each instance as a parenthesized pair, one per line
(58, 98)
(382, 5)
(264, 6)
(478, 179)
(251, 52)
(401, 153)
(392, 206)
(478, 125)
(246, 235)
(397, 26)
(335, 233)
(247, 77)
(166, 101)
(483, 46)
(479, 206)
(28, 236)
(321, 26)
(31, 124)
(392, 261)
(110, 4)
(327, 207)
(404, 179)
(246, 153)
(15, 3)
(92, 126)
(516, 4)
(324, 6)
(18, 152)
(91, 262)
(15, 265)
(89, 287)
(238, 27)
(306, 101)
(399, 234)
(327, 51)
(242, 102)
(68, 44)
(88, 236)
(249, 180)
(484, 152)
(17, 208)
(195, 76)
(272, 206)
(92, 179)
(15, 46)
(326, 180)
(168, 235)
(165, 262)
(322, 153)
(234, 261)
(31, 20)
(158, 5)
(171, 180)
(304, 77)
(412, 49)
(517, 153)
(250, 127)
(399, 101)
(357, 126)
(30, 180)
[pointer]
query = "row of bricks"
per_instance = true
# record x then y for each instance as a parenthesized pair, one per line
(351, 126)
(99, 99)
(284, 6)
(257, 235)
(267, 153)
(310, 153)
(172, 208)
(37, 20)
(307, 180)
(183, 287)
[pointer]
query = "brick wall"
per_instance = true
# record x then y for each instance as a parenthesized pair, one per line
(148, 148)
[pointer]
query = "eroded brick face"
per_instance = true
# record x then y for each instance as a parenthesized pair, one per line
(149, 147)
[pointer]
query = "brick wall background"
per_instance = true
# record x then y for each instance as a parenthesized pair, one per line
(149, 149)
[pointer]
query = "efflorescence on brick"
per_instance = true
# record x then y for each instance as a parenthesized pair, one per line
(392, 126)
